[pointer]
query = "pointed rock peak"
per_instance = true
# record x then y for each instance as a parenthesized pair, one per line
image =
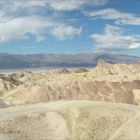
(101, 63)
(64, 71)
(138, 62)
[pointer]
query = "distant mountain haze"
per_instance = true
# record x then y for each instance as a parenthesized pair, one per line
(9, 61)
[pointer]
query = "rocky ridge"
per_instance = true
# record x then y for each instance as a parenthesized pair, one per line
(106, 82)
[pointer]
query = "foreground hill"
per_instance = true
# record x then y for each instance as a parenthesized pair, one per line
(9, 61)
(71, 120)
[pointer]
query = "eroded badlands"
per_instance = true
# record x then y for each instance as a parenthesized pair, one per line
(70, 104)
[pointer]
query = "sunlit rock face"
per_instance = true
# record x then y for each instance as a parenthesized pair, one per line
(104, 68)
(80, 90)
(70, 120)
(21, 117)
(106, 82)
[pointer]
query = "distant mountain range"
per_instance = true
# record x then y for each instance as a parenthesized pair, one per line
(11, 61)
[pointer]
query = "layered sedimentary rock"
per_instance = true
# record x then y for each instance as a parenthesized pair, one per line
(79, 90)
(71, 121)
(106, 82)
(104, 68)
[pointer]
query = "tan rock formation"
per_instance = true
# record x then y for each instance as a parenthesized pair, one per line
(71, 121)
(81, 70)
(104, 68)
(75, 90)
(106, 82)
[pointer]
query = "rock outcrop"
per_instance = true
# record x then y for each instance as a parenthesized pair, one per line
(104, 68)
(81, 70)
(106, 82)
(64, 71)
(79, 90)
(71, 120)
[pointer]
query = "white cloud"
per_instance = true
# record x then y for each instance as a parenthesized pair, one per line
(19, 28)
(67, 5)
(29, 3)
(59, 5)
(114, 38)
(64, 32)
(15, 4)
(113, 14)
(16, 24)
(134, 46)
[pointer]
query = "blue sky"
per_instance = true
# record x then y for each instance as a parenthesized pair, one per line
(70, 26)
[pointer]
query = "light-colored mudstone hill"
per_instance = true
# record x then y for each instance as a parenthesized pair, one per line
(106, 82)
(122, 92)
(71, 120)
(104, 68)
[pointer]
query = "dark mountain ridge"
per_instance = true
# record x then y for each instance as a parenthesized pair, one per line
(9, 61)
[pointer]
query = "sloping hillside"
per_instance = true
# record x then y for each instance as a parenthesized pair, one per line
(71, 120)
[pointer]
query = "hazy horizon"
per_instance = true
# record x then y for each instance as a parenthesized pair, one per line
(68, 53)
